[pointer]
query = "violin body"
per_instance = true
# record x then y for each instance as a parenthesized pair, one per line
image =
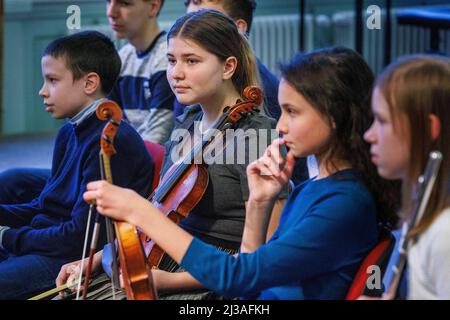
(138, 284)
(179, 202)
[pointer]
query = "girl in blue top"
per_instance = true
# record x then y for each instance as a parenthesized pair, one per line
(329, 222)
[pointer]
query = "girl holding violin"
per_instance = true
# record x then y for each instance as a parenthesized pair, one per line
(412, 118)
(210, 65)
(329, 222)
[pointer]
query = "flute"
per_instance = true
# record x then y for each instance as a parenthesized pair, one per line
(424, 188)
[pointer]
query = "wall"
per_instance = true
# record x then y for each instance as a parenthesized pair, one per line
(29, 25)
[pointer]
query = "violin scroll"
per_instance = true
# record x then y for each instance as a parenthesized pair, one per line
(253, 98)
(253, 94)
(109, 110)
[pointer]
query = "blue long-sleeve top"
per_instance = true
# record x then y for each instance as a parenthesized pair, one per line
(54, 223)
(326, 229)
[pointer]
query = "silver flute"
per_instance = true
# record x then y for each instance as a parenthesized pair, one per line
(424, 187)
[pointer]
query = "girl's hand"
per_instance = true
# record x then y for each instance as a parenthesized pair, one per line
(115, 202)
(265, 176)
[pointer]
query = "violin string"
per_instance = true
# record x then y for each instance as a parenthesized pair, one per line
(83, 255)
(110, 237)
(106, 174)
(188, 159)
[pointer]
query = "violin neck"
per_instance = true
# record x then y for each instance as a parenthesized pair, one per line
(191, 158)
(105, 165)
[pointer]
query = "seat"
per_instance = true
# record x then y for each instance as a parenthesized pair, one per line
(378, 256)
(156, 151)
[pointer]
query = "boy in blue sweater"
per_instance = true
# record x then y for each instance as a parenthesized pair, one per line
(36, 238)
(141, 90)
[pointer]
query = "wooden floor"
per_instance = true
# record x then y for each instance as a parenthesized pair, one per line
(26, 151)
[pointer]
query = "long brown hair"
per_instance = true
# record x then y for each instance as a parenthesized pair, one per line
(416, 87)
(218, 34)
(338, 83)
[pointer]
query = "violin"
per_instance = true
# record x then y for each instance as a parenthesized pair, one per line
(136, 275)
(185, 182)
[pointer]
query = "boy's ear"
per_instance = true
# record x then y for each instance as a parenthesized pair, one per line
(242, 25)
(435, 125)
(155, 7)
(92, 83)
(229, 67)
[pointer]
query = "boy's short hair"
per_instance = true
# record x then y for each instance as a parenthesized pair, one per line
(88, 51)
(236, 9)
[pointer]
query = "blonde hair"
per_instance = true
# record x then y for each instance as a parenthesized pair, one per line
(416, 87)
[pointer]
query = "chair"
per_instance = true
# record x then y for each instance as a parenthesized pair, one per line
(156, 151)
(378, 256)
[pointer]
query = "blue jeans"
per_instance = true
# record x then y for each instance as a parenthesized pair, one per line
(22, 185)
(22, 277)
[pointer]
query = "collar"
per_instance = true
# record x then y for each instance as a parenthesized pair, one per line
(86, 112)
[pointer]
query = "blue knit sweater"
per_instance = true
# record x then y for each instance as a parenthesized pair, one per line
(326, 229)
(54, 223)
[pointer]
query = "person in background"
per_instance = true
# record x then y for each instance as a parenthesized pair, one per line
(412, 118)
(242, 11)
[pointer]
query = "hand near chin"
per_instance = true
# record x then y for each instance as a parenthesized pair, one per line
(268, 174)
